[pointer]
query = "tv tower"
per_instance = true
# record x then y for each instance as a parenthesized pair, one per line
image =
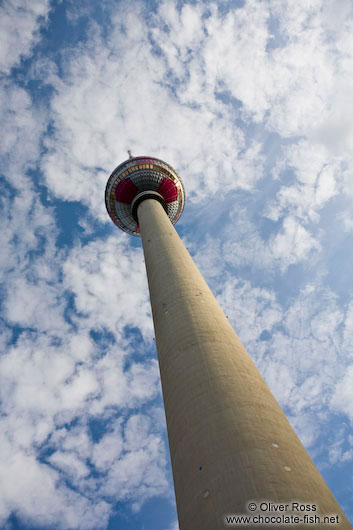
(232, 448)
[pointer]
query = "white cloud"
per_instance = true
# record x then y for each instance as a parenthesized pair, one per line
(175, 526)
(124, 388)
(109, 283)
(73, 440)
(251, 309)
(20, 22)
(348, 327)
(108, 450)
(341, 450)
(343, 396)
(43, 389)
(22, 123)
(244, 246)
(70, 464)
(294, 243)
(297, 80)
(307, 428)
(137, 472)
(50, 501)
(34, 305)
(318, 180)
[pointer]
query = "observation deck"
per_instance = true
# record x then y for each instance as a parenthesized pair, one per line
(137, 179)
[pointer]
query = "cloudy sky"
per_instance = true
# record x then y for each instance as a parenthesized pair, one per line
(251, 102)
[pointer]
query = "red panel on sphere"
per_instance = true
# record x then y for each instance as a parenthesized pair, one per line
(168, 190)
(125, 191)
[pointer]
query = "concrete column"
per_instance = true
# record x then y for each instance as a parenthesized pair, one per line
(230, 442)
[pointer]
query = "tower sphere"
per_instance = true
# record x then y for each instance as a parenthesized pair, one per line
(137, 179)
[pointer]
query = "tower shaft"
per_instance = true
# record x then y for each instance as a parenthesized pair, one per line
(230, 442)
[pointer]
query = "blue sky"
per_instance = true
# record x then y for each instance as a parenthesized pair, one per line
(251, 102)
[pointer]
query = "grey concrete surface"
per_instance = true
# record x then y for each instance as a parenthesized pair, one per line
(230, 442)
